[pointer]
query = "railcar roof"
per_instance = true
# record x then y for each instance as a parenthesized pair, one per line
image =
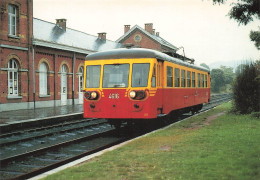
(135, 53)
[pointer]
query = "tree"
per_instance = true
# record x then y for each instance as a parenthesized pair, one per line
(246, 89)
(217, 76)
(239, 69)
(244, 11)
(205, 65)
(221, 78)
(255, 37)
(228, 74)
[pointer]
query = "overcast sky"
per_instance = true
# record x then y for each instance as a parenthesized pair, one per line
(203, 29)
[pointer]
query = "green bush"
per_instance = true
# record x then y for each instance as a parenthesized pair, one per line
(246, 89)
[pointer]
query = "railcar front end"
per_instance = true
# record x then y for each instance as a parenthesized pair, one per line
(121, 89)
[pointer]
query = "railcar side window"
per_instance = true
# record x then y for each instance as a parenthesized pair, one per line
(177, 77)
(206, 81)
(193, 79)
(169, 77)
(93, 76)
(198, 79)
(183, 77)
(140, 75)
(116, 76)
(188, 79)
(202, 80)
(154, 76)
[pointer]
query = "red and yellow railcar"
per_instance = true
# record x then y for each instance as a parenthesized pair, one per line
(128, 84)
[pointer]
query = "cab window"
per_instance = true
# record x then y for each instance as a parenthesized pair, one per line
(140, 75)
(116, 75)
(93, 76)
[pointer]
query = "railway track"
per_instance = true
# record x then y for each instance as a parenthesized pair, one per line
(27, 154)
(26, 158)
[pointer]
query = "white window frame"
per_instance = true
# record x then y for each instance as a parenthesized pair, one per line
(64, 75)
(43, 79)
(80, 75)
(12, 19)
(13, 83)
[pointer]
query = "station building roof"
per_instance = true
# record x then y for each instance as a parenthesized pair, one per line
(51, 35)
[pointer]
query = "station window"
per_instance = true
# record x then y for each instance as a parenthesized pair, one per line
(43, 80)
(177, 77)
(193, 79)
(198, 78)
(169, 77)
(12, 19)
(183, 78)
(188, 79)
(80, 76)
(206, 81)
(13, 78)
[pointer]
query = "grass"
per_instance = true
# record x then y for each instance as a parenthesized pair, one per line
(223, 147)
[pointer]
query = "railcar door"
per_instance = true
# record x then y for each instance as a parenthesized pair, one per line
(160, 85)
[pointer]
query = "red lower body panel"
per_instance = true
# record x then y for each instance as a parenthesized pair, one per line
(174, 99)
(115, 103)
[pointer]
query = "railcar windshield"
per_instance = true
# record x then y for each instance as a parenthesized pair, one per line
(93, 76)
(140, 75)
(116, 75)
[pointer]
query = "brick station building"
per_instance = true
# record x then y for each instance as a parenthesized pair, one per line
(149, 38)
(41, 63)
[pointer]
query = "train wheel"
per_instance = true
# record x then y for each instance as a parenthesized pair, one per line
(115, 122)
(200, 107)
(117, 125)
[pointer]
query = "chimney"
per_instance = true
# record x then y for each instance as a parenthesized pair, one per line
(149, 27)
(61, 23)
(102, 35)
(127, 28)
(157, 34)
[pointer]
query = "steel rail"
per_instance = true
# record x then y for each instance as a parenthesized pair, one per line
(49, 134)
(44, 128)
(5, 161)
(55, 165)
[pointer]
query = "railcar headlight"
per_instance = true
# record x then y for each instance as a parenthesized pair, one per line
(132, 94)
(140, 95)
(93, 95)
(137, 95)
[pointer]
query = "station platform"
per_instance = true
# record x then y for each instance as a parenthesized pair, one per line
(16, 116)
